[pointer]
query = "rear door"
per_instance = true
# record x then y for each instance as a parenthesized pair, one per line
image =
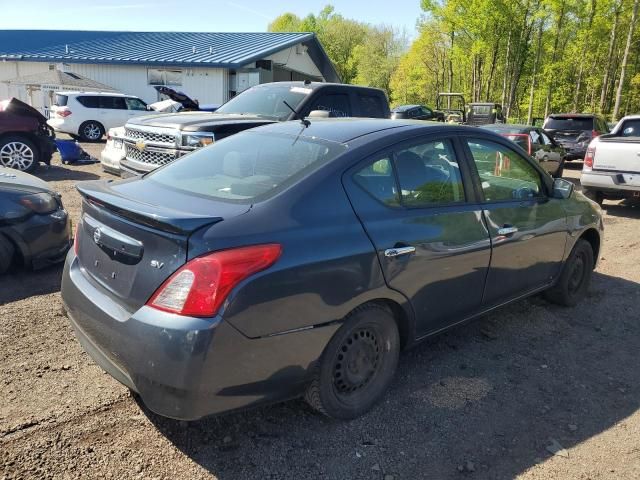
(426, 227)
(528, 228)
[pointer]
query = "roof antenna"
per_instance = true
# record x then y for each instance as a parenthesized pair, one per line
(297, 116)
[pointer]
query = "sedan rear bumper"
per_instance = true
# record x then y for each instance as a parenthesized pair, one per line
(186, 368)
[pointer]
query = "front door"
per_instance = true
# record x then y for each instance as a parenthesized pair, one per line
(429, 234)
(528, 228)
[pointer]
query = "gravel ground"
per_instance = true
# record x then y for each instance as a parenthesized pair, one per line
(534, 391)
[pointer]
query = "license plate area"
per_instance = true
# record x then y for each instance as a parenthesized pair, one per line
(632, 179)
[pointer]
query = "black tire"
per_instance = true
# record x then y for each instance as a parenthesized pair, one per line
(6, 254)
(20, 153)
(575, 278)
(91, 131)
(594, 195)
(357, 365)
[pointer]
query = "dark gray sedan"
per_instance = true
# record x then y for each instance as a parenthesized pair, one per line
(291, 260)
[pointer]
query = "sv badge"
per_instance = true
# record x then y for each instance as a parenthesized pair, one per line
(156, 264)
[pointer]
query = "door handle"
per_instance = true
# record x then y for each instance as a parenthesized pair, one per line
(507, 230)
(397, 252)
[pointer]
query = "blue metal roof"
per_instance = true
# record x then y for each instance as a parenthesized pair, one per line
(203, 49)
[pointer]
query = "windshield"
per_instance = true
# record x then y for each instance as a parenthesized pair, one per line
(247, 167)
(482, 109)
(569, 123)
(267, 101)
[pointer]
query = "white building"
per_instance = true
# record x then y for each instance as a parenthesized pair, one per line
(209, 67)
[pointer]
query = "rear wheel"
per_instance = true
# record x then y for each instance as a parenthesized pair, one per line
(575, 278)
(6, 254)
(357, 365)
(91, 131)
(19, 153)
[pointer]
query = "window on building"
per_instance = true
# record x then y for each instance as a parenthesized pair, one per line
(161, 76)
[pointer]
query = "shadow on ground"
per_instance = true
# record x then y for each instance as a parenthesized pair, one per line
(493, 393)
(55, 173)
(20, 283)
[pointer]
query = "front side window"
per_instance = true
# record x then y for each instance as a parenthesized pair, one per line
(112, 103)
(425, 112)
(504, 175)
(337, 104)
(247, 167)
(546, 139)
(535, 137)
(135, 104)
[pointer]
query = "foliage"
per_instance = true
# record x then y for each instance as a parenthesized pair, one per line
(552, 55)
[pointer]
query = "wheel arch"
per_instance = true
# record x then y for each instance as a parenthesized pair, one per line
(402, 315)
(592, 236)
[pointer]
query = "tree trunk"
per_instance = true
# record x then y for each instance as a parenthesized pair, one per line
(535, 73)
(493, 67)
(623, 69)
(585, 49)
(503, 97)
(547, 103)
(607, 70)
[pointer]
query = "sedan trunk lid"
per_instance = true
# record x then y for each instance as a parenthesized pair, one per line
(133, 235)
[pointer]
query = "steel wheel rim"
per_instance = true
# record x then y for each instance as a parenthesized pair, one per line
(357, 362)
(92, 131)
(576, 277)
(17, 155)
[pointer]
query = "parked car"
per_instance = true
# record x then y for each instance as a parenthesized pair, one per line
(34, 227)
(113, 151)
(25, 138)
(301, 258)
(574, 131)
(536, 142)
(452, 105)
(484, 113)
(416, 112)
(89, 115)
(187, 104)
(151, 142)
(612, 163)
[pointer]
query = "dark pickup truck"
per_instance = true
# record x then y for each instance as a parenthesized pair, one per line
(153, 141)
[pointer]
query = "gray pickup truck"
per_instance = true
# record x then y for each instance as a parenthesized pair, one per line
(153, 141)
(612, 163)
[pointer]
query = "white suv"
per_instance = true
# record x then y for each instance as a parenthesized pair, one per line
(89, 114)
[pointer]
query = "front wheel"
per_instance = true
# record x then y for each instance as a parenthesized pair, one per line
(575, 278)
(19, 153)
(91, 131)
(358, 364)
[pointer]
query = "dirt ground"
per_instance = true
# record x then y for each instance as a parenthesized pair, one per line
(533, 392)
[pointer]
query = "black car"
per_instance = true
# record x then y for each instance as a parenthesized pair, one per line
(34, 227)
(574, 131)
(416, 112)
(295, 260)
(536, 142)
(484, 113)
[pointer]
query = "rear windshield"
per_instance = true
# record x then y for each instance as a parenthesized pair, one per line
(481, 109)
(61, 101)
(569, 123)
(630, 128)
(247, 167)
(267, 101)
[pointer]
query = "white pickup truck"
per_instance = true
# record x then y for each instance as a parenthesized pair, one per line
(612, 163)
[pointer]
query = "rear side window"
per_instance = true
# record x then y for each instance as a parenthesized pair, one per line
(371, 106)
(89, 101)
(569, 123)
(113, 103)
(630, 128)
(428, 174)
(337, 104)
(61, 100)
(247, 167)
(378, 179)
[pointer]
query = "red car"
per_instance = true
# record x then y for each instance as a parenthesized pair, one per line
(25, 138)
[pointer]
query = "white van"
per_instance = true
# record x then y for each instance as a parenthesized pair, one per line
(89, 115)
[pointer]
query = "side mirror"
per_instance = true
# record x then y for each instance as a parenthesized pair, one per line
(562, 188)
(319, 114)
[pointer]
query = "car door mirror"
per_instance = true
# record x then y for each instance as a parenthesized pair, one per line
(562, 188)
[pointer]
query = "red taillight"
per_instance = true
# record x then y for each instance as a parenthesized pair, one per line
(595, 133)
(75, 239)
(200, 287)
(63, 113)
(588, 157)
